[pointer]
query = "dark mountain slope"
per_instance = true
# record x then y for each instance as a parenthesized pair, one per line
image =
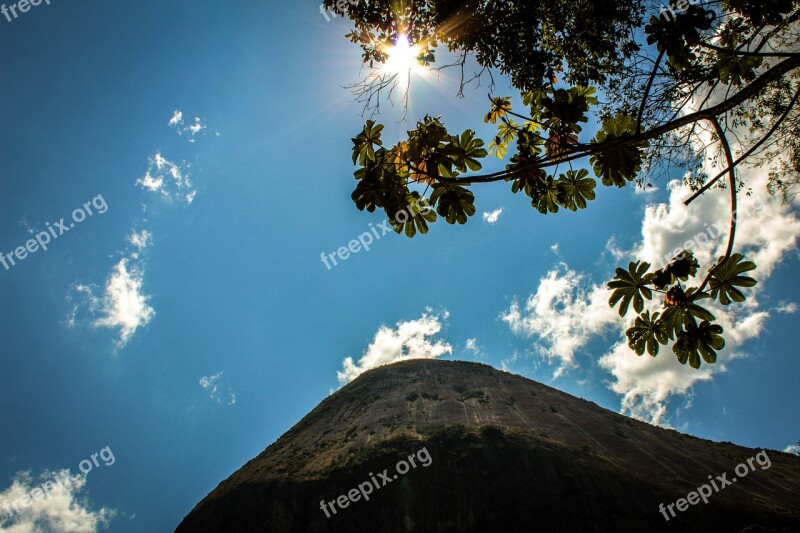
(506, 454)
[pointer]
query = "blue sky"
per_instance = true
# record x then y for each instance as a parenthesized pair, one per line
(192, 322)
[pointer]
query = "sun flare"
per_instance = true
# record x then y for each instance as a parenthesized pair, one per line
(402, 57)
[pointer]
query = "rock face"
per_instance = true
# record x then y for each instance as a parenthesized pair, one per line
(503, 453)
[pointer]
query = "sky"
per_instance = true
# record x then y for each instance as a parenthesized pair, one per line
(186, 165)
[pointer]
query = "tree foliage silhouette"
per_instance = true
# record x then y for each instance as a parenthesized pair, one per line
(684, 87)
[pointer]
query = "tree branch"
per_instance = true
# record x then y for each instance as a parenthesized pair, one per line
(747, 154)
(747, 53)
(732, 176)
(704, 114)
(647, 91)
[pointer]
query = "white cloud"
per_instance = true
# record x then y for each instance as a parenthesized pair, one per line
(566, 312)
(647, 383)
(793, 448)
(23, 222)
(647, 189)
(493, 216)
(140, 240)
(197, 127)
(190, 129)
(177, 118)
(616, 252)
(414, 339)
(766, 228)
(168, 179)
(59, 506)
(219, 392)
(562, 316)
(121, 306)
(787, 308)
(120, 303)
(472, 347)
(766, 232)
(153, 184)
(508, 364)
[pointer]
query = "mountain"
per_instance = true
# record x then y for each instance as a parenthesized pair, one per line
(493, 451)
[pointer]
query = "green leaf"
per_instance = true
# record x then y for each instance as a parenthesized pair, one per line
(497, 148)
(681, 268)
(699, 341)
(466, 150)
(760, 12)
(631, 285)
(726, 279)
(678, 317)
(500, 108)
(529, 180)
(506, 132)
(415, 218)
(684, 266)
(737, 70)
(365, 142)
(576, 189)
(454, 203)
(566, 108)
(673, 319)
(535, 97)
(371, 189)
(678, 31)
(547, 197)
(647, 333)
(700, 312)
(620, 162)
(428, 137)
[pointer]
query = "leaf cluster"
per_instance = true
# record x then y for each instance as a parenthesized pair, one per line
(682, 320)
(556, 53)
(430, 156)
(678, 34)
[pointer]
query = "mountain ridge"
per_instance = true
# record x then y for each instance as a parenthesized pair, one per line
(609, 471)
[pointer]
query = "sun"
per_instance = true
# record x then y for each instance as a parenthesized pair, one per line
(402, 57)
